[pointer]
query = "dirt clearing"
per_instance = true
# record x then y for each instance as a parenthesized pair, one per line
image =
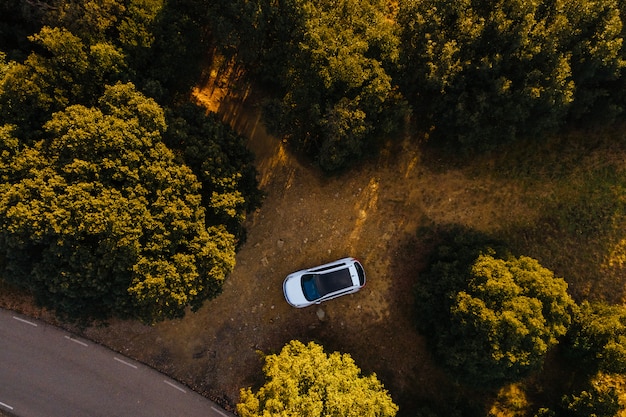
(372, 213)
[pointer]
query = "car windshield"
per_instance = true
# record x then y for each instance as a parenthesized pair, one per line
(309, 288)
(315, 286)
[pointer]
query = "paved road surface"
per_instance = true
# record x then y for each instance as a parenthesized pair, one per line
(47, 372)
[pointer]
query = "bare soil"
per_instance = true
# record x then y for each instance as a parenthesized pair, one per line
(373, 213)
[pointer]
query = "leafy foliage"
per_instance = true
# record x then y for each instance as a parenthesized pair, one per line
(491, 320)
(66, 72)
(91, 20)
(219, 158)
(100, 220)
(486, 72)
(304, 381)
(456, 249)
(127, 232)
(600, 399)
(173, 62)
(597, 338)
(597, 58)
(339, 95)
(329, 62)
(163, 41)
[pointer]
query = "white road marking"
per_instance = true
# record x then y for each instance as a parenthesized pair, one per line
(125, 363)
(175, 386)
(25, 321)
(218, 411)
(6, 405)
(76, 341)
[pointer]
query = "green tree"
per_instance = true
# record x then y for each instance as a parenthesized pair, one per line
(304, 381)
(599, 399)
(597, 338)
(487, 72)
(455, 250)
(66, 72)
(597, 62)
(178, 45)
(163, 42)
(491, 321)
(91, 20)
(337, 96)
(137, 30)
(99, 219)
(219, 158)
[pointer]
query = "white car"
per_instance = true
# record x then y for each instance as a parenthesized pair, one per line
(325, 282)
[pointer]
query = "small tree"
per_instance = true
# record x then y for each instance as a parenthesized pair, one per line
(493, 320)
(303, 381)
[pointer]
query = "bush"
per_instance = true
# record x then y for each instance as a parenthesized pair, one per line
(304, 381)
(490, 320)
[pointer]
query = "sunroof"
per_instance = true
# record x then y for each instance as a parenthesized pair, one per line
(333, 281)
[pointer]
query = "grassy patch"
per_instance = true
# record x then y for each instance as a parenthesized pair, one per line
(577, 184)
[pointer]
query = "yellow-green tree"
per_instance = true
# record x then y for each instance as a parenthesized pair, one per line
(491, 321)
(329, 62)
(506, 319)
(304, 381)
(99, 219)
(597, 338)
(219, 158)
(64, 71)
(599, 398)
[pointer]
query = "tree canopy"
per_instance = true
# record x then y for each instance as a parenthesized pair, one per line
(491, 320)
(304, 381)
(219, 158)
(107, 210)
(330, 64)
(65, 71)
(487, 72)
(601, 398)
(99, 218)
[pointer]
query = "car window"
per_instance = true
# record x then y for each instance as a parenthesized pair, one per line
(309, 287)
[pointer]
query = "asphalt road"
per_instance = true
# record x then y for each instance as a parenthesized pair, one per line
(47, 372)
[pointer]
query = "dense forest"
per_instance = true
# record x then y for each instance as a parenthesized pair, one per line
(120, 197)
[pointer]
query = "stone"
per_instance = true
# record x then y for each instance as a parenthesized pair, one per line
(321, 314)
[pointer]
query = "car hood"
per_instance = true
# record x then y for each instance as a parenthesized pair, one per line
(293, 291)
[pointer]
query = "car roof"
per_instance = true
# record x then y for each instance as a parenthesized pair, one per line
(334, 281)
